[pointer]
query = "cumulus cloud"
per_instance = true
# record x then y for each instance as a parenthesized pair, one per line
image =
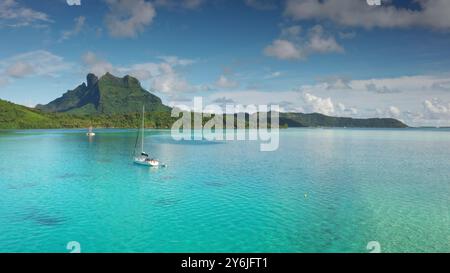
(417, 83)
(127, 18)
(149, 70)
(442, 85)
(356, 13)
(33, 63)
(169, 80)
(326, 106)
(19, 69)
(390, 112)
(223, 101)
(345, 111)
(372, 87)
(40, 63)
(394, 111)
(174, 60)
(321, 43)
(292, 46)
(97, 65)
(436, 109)
(318, 105)
(287, 106)
(165, 76)
(79, 23)
(284, 50)
(14, 14)
(336, 83)
(73, 2)
(273, 75)
(225, 82)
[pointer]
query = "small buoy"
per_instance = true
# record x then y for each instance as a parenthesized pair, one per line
(306, 195)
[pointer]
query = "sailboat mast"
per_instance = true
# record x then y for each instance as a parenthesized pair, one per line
(143, 127)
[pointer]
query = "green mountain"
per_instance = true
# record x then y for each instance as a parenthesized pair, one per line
(107, 95)
(319, 120)
(17, 116)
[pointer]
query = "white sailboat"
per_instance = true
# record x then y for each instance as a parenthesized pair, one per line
(143, 158)
(90, 132)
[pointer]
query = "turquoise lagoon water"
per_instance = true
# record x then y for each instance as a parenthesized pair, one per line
(323, 190)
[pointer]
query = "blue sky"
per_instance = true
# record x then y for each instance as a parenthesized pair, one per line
(341, 58)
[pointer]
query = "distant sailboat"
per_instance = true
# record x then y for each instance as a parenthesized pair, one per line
(90, 132)
(143, 158)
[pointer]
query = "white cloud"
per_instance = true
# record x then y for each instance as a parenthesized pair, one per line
(321, 43)
(169, 81)
(127, 18)
(174, 60)
(142, 71)
(79, 23)
(436, 109)
(19, 70)
(291, 46)
(223, 100)
(442, 85)
(417, 83)
(14, 14)
(40, 63)
(356, 13)
(326, 106)
(149, 70)
(394, 111)
(316, 104)
(29, 64)
(373, 87)
(73, 2)
(96, 65)
(345, 111)
(335, 83)
(391, 112)
(292, 32)
(225, 82)
(273, 75)
(284, 50)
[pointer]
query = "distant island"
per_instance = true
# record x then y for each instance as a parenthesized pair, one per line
(114, 102)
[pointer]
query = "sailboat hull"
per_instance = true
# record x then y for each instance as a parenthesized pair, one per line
(144, 162)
